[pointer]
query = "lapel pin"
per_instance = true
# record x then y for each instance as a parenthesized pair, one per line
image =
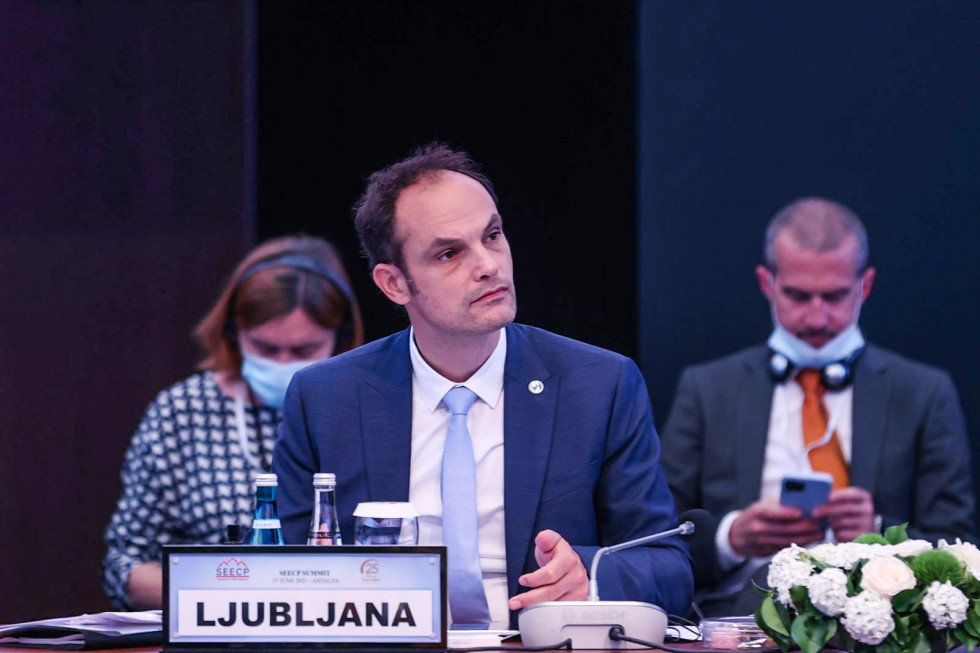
(536, 387)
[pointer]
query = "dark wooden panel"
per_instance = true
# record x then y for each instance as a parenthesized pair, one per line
(121, 210)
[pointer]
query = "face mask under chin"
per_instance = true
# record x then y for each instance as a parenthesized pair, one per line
(804, 355)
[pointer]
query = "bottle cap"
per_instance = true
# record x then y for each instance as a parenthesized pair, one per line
(266, 480)
(324, 479)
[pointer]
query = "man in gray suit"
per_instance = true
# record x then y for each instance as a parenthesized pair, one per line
(816, 398)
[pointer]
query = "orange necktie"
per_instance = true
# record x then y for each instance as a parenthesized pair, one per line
(829, 457)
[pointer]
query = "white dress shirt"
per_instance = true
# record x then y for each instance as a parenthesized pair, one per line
(485, 420)
(786, 452)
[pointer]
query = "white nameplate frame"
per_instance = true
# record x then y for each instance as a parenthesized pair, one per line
(363, 596)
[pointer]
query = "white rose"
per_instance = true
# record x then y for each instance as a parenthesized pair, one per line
(910, 548)
(886, 576)
(965, 552)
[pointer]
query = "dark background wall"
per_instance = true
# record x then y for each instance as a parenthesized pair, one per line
(746, 106)
(127, 185)
(540, 93)
(121, 210)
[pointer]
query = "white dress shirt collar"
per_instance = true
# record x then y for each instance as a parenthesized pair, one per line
(487, 382)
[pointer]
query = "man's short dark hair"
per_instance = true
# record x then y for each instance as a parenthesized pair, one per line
(816, 224)
(374, 213)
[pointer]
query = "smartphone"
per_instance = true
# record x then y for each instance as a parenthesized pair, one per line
(806, 491)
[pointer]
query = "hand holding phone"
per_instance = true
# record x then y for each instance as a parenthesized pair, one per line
(806, 491)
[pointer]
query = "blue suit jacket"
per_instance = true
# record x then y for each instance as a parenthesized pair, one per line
(581, 457)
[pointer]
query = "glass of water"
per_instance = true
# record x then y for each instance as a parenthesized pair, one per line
(386, 523)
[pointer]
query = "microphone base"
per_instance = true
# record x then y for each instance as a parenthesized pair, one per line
(587, 623)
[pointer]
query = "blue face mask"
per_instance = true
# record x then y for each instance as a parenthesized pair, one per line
(805, 355)
(269, 379)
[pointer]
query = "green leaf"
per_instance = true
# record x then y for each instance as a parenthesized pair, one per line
(768, 617)
(901, 632)
(845, 641)
(974, 620)
(802, 631)
(854, 579)
(826, 631)
(971, 625)
(889, 646)
(897, 534)
(921, 644)
(907, 600)
(966, 639)
(798, 594)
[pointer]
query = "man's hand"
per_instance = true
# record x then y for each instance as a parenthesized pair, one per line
(766, 527)
(849, 511)
(561, 576)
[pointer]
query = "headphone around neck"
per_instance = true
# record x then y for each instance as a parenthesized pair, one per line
(306, 263)
(833, 376)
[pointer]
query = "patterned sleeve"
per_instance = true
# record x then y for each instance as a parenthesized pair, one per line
(146, 515)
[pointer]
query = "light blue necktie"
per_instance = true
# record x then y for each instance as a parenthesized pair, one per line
(467, 600)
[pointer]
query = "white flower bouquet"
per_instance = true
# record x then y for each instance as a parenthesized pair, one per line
(879, 593)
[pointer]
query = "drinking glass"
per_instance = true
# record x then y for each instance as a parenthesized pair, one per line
(386, 523)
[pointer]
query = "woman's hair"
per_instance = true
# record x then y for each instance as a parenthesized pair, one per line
(275, 278)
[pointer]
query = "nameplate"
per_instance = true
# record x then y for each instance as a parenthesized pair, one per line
(347, 595)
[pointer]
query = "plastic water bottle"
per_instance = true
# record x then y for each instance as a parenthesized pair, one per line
(324, 526)
(266, 528)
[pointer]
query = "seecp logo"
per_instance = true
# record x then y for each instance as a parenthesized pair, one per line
(370, 571)
(231, 569)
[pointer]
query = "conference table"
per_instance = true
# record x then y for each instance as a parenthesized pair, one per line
(692, 646)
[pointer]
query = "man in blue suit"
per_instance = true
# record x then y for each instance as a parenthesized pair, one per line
(571, 464)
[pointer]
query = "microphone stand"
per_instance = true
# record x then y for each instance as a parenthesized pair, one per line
(587, 623)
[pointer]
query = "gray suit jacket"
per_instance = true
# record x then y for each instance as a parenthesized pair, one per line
(909, 449)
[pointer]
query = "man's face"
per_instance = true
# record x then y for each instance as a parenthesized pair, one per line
(815, 295)
(458, 273)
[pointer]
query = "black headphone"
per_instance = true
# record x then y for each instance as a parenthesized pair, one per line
(834, 376)
(298, 261)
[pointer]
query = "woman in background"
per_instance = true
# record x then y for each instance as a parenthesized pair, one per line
(189, 468)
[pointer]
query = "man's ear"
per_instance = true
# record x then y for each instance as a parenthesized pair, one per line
(392, 282)
(765, 278)
(868, 277)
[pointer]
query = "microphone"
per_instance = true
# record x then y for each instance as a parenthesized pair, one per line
(587, 623)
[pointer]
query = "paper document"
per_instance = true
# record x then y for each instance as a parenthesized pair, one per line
(476, 638)
(102, 630)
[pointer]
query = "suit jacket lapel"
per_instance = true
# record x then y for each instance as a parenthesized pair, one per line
(528, 428)
(752, 428)
(872, 387)
(386, 416)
